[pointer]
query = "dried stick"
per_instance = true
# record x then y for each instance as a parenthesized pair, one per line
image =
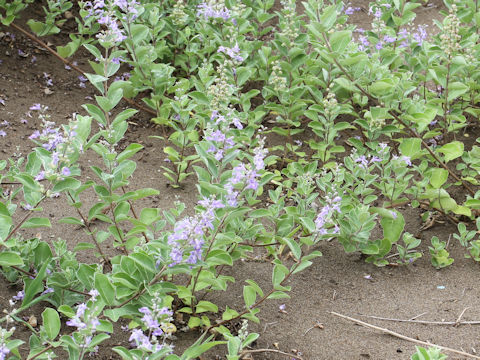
(403, 337)
(417, 316)
(244, 352)
(76, 68)
(457, 323)
(426, 321)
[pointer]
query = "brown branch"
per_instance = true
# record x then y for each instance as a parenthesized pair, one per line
(76, 68)
(425, 321)
(244, 352)
(403, 337)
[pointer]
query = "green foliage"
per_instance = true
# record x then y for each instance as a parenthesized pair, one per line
(431, 353)
(215, 90)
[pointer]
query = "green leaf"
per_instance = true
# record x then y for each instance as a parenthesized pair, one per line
(340, 39)
(381, 87)
(66, 184)
(257, 288)
(84, 246)
(200, 97)
(456, 89)
(194, 322)
(278, 295)
(438, 177)
(33, 287)
(393, 228)
(51, 322)
(249, 295)
(93, 50)
(328, 18)
(8, 258)
(411, 147)
(452, 150)
(5, 221)
(66, 310)
(219, 257)
(131, 150)
(195, 351)
(36, 222)
(105, 288)
(204, 306)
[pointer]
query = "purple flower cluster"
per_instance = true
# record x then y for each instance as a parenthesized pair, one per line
(325, 215)
(105, 12)
(365, 161)
(83, 320)
(364, 43)
(233, 52)
(4, 351)
(417, 37)
(20, 295)
(82, 80)
(48, 79)
(246, 173)
(350, 10)
(209, 11)
(420, 35)
(403, 158)
(6, 124)
(59, 143)
(189, 233)
(153, 320)
(124, 77)
(220, 141)
(51, 135)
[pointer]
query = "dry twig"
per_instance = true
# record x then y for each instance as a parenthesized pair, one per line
(403, 337)
(457, 323)
(244, 352)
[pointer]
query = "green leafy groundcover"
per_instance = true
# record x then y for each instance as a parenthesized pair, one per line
(379, 111)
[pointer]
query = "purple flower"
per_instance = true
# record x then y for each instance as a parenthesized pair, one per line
(66, 171)
(36, 107)
(331, 207)
(3, 133)
(420, 35)
(4, 351)
(35, 135)
(40, 176)
(208, 11)
(19, 296)
(140, 339)
(388, 39)
(379, 45)
(407, 160)
(363, 161)
(350, 10)
(232, 52)
(364, 43)
(237, 123)
(47, 291)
